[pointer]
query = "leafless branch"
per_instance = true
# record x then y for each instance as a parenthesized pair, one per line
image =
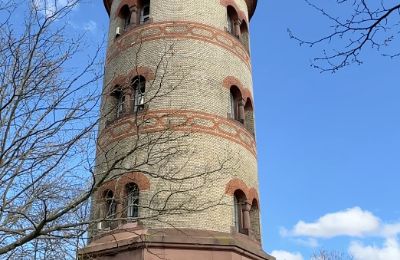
(369, 25)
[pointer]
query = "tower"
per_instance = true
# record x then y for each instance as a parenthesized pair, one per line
(176, 155)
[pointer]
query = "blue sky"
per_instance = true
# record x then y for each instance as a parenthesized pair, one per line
(328, 144)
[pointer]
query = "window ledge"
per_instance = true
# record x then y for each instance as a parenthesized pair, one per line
(125, 116)
(131, 27)
(241, 125)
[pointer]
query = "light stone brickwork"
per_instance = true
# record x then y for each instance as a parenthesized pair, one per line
(202, 70)
(208, 149)
(209, 12)
(188, 75)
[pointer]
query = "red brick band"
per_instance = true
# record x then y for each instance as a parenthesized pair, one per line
(179, 30)
(193, 122)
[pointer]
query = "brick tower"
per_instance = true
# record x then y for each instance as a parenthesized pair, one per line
(176, 154)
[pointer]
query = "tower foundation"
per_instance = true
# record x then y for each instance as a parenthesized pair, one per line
(130, 242)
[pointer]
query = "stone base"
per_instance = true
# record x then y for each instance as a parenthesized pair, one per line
(130, 242)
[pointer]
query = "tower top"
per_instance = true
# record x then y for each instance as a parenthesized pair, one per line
(251, 5)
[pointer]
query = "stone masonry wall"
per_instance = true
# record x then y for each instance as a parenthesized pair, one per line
(186, 55)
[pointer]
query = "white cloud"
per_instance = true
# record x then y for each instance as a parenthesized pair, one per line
(390, 230)
(90, 26)
(389, 251)
(284, 255)
(353, 222)
(309, 242)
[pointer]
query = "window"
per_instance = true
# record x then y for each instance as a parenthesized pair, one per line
(237, 213)
(111, 206)
(235, 104)
(255, 220)
(249, 116)
(239, 200)
(132, 192)
(244, 35)
(232, 19)
(118, 103)
(125, 15)
(145, 12)
(230, 27)
(139, 90)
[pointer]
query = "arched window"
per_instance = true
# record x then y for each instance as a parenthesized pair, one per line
(235, 104)
(144, 11)
(125, 15)
(255, 220)
(232, 19)
(139, 90)
(118, 102)
(132, 200)
(110, 205)
(244, 35)
(249, 116)
(239, 200)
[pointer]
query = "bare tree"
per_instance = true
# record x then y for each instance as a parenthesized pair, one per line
(48, 119)
(331, 255)
(355, 26)
(48, 139)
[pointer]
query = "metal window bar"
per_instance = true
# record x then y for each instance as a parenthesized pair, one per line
(145, 14)
(133, 201)
(237, 213)
(139, 86)
(120, 104)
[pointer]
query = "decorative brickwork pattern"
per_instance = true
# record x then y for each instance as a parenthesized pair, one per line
(178, 30)
(194, 122)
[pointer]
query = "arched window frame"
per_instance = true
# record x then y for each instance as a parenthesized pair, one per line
(232, 19)
(244, 35)
(236, 104)
(144, 13)
(239, 200)
(125, 16)
(249, 116)
(118, 103)
(110, 205)
(255, 220)
(139, 93)
(132, 200)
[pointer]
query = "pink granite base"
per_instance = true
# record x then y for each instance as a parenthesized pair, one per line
(134, 243)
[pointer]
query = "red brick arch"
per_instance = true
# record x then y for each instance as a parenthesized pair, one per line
(237, 184)
(125, 80)
(241, 13)
(233, 81)
(253, 195)
(129, 3)
(146, 72)
(117, 185)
